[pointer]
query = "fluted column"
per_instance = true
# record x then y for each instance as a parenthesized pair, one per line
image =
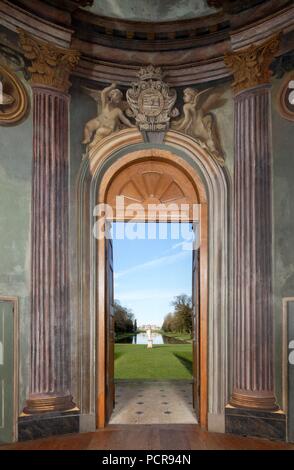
(50, 338)
(253, 362)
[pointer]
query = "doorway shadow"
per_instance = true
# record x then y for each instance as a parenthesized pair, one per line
(184, 359)
(117, 355)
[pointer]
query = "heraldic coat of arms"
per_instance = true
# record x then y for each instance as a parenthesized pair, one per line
(151, 101)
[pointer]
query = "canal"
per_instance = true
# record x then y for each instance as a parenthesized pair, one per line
(157, 338)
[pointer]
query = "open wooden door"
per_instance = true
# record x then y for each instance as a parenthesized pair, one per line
(109, 310)
(195, 325)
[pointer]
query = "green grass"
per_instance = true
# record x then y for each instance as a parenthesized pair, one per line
(162, 362)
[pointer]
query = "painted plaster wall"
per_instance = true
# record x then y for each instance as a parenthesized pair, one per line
(15, 212)
(283, 213)
(15, 215)
(152, 10)
(82, 108)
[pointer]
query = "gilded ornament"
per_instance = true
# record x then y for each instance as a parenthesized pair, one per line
(250, 66)
(14, 100)
(51, 65)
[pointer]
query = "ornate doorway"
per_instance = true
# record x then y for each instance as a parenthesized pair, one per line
(152, 189)
(177, 170)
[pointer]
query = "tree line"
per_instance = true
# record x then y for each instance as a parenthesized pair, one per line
(124, 320)
(180, 320)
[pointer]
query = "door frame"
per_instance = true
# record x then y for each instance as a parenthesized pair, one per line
(216, 326)
(136, 157)
(14, 301)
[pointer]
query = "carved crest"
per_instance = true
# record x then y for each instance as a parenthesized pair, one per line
(151, 101)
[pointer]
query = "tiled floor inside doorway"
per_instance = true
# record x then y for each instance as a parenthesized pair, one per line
(153, 403)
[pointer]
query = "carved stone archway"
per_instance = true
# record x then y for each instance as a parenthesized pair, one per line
(97, 170)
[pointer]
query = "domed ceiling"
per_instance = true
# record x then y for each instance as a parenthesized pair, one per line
(151, 10)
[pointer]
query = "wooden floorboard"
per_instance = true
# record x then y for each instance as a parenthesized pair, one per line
(149, 437)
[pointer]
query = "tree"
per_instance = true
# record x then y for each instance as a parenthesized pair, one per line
(183, 313)
(180, 320)
(168, 322)
(123, 319)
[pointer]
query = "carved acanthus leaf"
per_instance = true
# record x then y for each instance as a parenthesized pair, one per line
(250, 66)
(51, 65)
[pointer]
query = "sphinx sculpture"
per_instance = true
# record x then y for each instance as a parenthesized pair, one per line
(110, 114)
(199, 122)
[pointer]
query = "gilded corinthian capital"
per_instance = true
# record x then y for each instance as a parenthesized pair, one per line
(250, 66)
(50, 65)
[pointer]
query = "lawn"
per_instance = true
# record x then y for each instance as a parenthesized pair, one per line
(186, 337)
(162, 362)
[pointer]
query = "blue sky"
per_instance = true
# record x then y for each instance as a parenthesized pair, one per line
(150, 272)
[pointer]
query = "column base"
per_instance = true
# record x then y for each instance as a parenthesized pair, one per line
(260, 401)
(48, 402)
(255, 423)
(48, 424)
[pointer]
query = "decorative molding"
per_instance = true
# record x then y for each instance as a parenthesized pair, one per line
(280, 18)
(37, 22)
(219, 308)
(51, 65)
(15, 301)
(14, 101)
(285, 98)
(231, 6)
(151, 101)
(48, 402)
(250, 66)
(285, 352)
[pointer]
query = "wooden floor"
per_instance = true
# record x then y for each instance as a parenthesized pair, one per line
(149, 437)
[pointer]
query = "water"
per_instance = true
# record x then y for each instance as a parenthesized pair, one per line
(157, 338)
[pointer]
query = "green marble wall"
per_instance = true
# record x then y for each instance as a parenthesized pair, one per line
(15, 214)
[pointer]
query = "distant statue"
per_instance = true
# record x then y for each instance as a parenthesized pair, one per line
(110, 114)
(149, 338)
(198, 122)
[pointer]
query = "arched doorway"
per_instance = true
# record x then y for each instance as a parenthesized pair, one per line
(108, 159)
(148, 178)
